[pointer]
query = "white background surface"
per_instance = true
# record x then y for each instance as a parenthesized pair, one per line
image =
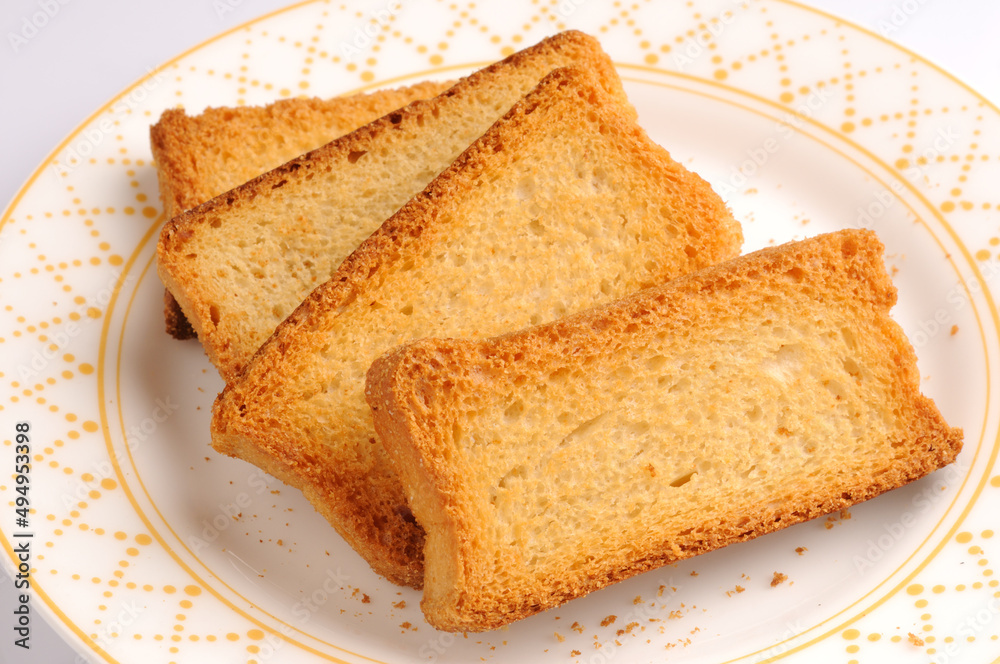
(88, 52)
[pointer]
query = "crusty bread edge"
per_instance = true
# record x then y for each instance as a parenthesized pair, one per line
(433, 486)
(407, 228)
(193, 301)
(406, 571)
(175, 142)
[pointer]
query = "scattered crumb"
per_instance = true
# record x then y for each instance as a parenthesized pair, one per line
(833, 519)
(735, 591)
(401, 604)
(280, 543)
(637, 600)
(577, 627)
(694, 573)
(609, 620)
(559, 637)
(800, 550)
(627, 629)
(744, 576)
(914, 639)
(954, 330)
(365, 599)
(778, 578)
(576, 653)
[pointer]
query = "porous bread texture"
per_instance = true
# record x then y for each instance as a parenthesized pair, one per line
(241, 263)
(198, 157)
(563, 204)
(744, 398)
(201, 156)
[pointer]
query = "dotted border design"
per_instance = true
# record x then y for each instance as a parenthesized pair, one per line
(745, 45)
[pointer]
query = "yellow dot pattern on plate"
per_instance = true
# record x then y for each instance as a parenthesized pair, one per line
(339, 49)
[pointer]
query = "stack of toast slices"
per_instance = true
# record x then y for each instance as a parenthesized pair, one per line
(507, 347)
(200, 157)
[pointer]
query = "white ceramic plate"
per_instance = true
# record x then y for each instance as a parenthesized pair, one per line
(147, 545)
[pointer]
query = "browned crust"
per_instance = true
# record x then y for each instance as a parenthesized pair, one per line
(201, 156)
(408, 232)
(191, 296)
(367, 511)
(176, 323)
(414, 226)
(403, 386)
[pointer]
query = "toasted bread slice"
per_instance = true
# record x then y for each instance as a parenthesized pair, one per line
(744, 398)
(564, 203)
(242, 262)
(200, 156)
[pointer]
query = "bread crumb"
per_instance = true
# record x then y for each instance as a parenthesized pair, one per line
(778, 578)
(401, 604)
(833, 519)
(735, 591)
(627, 629)
(694, 573)
(800, 550)
(663, 589)
(914, 639)
(637, 599)
(609, 620)
(577, 627)
(575, 653)
(954, 330)
(559, 637)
